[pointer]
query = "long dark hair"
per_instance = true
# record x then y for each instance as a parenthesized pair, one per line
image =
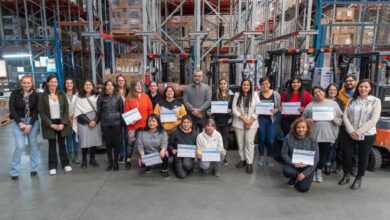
(83, 93)
(249, 99)
(356, 94)
(113, 84)
(266, 78)
(160, 128)
(47, 86)
(126, 88)
(74, 90)
(165, 92)
(301, 91)
(219, 93)
(328, 88)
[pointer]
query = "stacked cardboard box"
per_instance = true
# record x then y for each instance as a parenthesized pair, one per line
(179, 27)
(126, 16)
(210, 25)
(130, 77)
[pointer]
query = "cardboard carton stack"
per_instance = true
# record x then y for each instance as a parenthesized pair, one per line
(126, 16)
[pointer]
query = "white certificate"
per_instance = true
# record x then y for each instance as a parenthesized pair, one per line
(131, 116)
(212, 155)
(264, 108)
(219, 107)
(323, 113)
(184, 150)
(303, 156)
(167, 115)
(291, 108)
(152, 159)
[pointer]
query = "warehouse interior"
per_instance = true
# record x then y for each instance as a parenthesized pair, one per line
(165, 40)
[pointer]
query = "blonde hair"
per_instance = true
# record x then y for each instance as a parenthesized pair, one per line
(132, 92)
(295, 124)
(28, 77)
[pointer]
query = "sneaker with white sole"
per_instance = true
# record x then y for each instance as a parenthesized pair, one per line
(315, 176)
(68, 168)
(260, 161)
(320, 179)
(52, 172)
(269, 162)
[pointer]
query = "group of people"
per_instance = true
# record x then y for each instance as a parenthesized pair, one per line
(85, 119)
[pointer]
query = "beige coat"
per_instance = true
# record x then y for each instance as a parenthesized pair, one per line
(237, 111)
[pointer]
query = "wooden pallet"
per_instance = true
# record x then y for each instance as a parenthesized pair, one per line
(5, 122)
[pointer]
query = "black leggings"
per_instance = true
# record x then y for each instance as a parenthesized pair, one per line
(291, 172)
(364, 149)
(53, 158)
(111, 136)
(324, 147)
(224, 131)
(92, 151)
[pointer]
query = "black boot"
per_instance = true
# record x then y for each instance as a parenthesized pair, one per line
(327, 170)
(344, 180)
(357, 183)
(128, 163)
(249, 168)
(84, 163)
(109, 167)
(92, 160)
(116, 167)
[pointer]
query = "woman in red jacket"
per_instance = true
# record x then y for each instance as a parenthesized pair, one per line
(140, 100)
(294, 93)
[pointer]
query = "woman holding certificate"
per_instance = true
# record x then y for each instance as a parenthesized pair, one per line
(140, 103)
(153, 140)
(245, 123)
(183, 139)
(269, 106)
(300, 155)
(54, 111)
(88, 128)
(360, 118)
(110, 109)
(223, 120)
(326, 117)
(170, 110)
(294, 101)
(209, 148)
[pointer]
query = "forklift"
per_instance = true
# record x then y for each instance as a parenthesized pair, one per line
(374, 66)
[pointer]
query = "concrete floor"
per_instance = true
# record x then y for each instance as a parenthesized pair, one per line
(97, 194)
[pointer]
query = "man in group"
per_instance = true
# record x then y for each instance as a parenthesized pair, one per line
(344, 96)
(197, 99)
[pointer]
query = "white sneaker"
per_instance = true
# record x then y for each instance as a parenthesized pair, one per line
(319, 177)
(315, 176)
(52, 172)
(68, 168)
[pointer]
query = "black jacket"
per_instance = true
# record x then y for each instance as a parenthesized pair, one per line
(179, 137)
(110, 109)
(17, 105)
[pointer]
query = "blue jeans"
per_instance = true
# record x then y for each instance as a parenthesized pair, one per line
(266, 136)
(19, 137)
(329, 155)
(123, 143)
(71, 144)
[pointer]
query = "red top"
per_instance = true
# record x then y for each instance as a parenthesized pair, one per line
(295, 98)
(144, 106)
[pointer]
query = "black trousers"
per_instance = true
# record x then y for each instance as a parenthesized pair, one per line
(92, 151)
(111, 136)
(53, 158)
(224, 130)
(324, 147)
(183, 166)
(286, 124)
(363, 147)
(341, 143)
(198, 123)
(290, 171)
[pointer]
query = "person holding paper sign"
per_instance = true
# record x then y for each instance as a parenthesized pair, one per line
(300, 174)
(360, 118)
(110, 109)
(140, 100)
(295, 93)
(245, 123)
(197, 99)
(184, 135)
(154, 139)
(223, 121)
(172, 105)
(210, 138)
(88, 128)
(267, 122)
(326, 117)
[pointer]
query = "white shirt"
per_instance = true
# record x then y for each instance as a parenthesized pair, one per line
(54, 109)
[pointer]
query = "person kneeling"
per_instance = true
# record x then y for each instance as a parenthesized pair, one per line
(208, 141)
(153, 139)
(300, 174)
(184, 136)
